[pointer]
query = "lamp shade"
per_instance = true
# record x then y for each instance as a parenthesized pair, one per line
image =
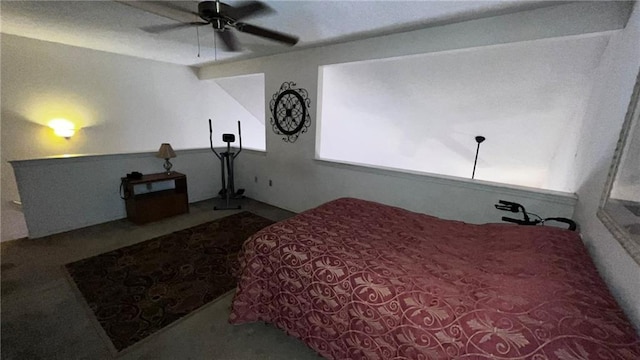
(166, 152)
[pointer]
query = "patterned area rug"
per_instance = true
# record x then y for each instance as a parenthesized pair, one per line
(137, 290)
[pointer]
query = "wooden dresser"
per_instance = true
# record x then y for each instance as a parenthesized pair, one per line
(150, 206)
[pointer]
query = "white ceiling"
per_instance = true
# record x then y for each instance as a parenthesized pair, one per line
(114, 27)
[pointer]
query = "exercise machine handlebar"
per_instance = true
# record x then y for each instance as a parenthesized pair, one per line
(239, 136)
(211, 141)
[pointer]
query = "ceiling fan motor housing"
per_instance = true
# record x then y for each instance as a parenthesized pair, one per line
(211, 10)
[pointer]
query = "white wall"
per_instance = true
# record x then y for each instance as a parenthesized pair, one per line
(627, 182)
(445, 197)
(598, 138)
(422, 112)
(248, 90)
(63, 194)
(243, 98)
(122, 104)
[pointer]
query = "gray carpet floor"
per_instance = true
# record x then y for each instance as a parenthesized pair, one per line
(42, 317)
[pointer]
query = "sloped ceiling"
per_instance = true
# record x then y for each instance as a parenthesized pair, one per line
(115, 27)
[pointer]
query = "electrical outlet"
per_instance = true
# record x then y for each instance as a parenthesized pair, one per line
(270, 182)
(255, 179)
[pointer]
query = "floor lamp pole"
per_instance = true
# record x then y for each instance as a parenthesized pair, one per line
(479, 140)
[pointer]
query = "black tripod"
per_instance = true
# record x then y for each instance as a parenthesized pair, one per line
(226, 161)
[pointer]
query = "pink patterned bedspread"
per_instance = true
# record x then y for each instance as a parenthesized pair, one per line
(359, 280)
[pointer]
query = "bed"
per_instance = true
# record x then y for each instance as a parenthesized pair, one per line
(355, 279)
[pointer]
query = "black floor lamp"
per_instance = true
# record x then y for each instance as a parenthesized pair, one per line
(479, 140)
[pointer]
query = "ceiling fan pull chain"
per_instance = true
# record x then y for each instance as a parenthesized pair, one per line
(215, 47)
(198, 37)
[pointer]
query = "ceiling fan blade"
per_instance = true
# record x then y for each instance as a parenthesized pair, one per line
(156, 29)
(248, 9)
(173, 6)
(229, 40)
(160, 8)
(266, 33)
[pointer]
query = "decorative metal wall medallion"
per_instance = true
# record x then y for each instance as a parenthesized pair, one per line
(290, 111)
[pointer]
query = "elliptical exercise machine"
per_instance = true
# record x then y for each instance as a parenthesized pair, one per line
(226, 161)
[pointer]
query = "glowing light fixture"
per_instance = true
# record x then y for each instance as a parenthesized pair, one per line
(62, 127)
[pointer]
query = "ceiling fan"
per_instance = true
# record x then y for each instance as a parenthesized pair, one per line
(222, 17)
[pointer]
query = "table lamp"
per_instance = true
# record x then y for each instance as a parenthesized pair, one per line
(166, 153)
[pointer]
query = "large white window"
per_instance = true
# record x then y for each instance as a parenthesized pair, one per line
(240, 98)
(423, 112)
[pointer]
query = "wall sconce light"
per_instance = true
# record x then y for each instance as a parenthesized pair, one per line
(166, 152)
(62, 127)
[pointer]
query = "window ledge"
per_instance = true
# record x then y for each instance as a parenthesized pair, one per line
(559, 197)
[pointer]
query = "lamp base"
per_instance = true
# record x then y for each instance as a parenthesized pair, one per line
(167, 166)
